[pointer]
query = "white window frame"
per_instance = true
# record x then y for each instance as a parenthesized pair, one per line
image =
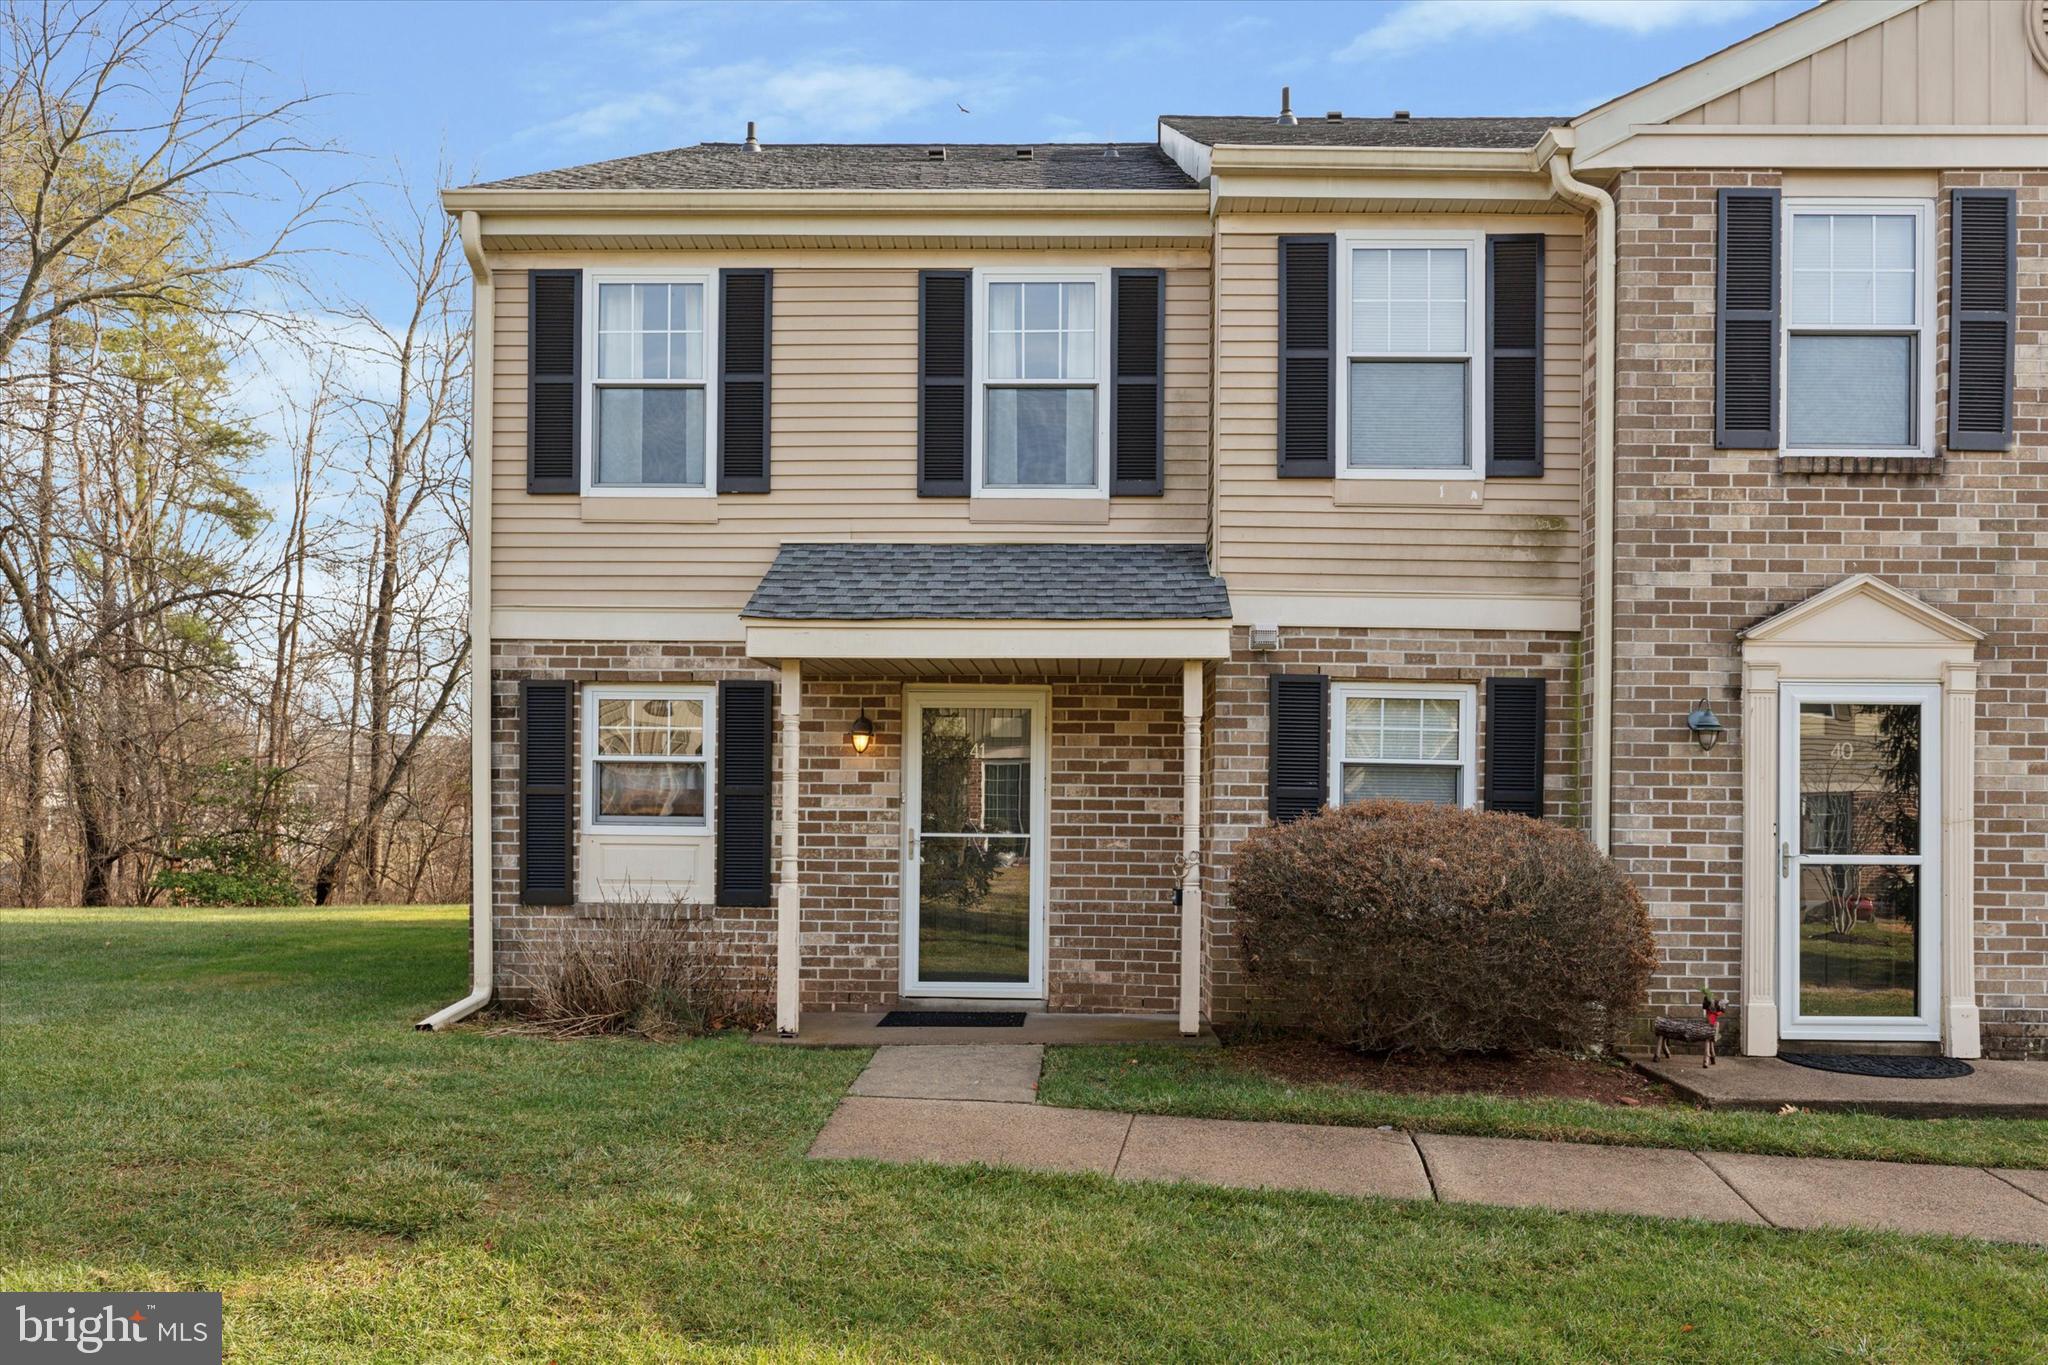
(1474, 244)
(977, 418)
(1467, 697)
(592, 695)
(1922, 211)
(588, 383)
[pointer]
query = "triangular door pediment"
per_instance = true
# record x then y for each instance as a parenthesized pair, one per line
(1863, 611)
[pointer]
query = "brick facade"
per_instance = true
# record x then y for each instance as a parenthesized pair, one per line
(1114, 795)
(1709, 541)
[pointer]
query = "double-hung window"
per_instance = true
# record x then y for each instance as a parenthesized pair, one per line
(1403, 742)
(1410, 318)
(1858, 373)
(1041, 421)
(647, 758)
(650, 405)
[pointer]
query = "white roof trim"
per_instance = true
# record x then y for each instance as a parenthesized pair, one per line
(1862, 585)
(892, 641)
(1730, 69)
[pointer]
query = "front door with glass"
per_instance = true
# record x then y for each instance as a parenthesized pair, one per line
(974, 851)
(1858, 833)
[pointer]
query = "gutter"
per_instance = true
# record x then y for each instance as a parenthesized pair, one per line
(482, 314)
(1602, 204)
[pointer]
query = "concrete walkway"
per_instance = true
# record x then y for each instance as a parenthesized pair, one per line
(1994, 1090)
(974, 1105)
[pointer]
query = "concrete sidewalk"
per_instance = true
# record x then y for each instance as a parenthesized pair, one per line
(932, 1104)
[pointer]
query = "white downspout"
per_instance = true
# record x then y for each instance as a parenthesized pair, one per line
(1602, 204)
(482, 319)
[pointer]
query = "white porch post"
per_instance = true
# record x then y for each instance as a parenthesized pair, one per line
(1759, 739)
(1191, 848)
(1959, 1023)
(788, 960)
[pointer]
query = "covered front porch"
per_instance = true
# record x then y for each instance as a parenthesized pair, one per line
(990, 785)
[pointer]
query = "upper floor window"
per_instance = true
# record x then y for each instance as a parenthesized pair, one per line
(650, 402)
(1858, 376)
(1403, 742)
(1409, 321)
(649, 757)
(1040, 427)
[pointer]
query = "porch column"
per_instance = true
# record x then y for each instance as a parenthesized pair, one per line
(788, 960)
(1759, 739)
(1191, 848)
(1959, 1023)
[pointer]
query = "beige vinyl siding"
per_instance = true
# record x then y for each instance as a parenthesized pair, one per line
(1285, 536)
(1947, 62)
(843, 452)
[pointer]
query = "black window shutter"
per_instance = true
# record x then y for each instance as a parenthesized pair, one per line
(1983, 315)
(1298, 779)
(547, 715)
(1137, 414)
(745, 315)
(1514, 356)
(554, 346)
(1514, 745)
(1308, 377)
(944, 317)
(1746, 321)
(745, 728)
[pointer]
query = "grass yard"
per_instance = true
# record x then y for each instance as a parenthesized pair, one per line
(234, 1100)
(1210, 1083)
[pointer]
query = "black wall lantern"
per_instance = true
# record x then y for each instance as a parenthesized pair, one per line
(1705, 726)
(862, 734)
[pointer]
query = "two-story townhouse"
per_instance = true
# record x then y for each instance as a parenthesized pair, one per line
(931, 560)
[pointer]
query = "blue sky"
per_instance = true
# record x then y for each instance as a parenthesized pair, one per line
(505, 88)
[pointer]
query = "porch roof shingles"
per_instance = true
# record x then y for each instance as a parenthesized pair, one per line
(892, 582)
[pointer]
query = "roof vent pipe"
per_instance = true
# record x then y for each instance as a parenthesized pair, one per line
(753, 144)
(1287, 107)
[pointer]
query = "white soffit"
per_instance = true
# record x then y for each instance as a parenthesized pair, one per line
(898, 641)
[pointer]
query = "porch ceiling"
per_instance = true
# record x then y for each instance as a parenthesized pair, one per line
(938, 670)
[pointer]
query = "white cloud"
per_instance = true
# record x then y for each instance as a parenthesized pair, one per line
(1427, 23)
(790, 102)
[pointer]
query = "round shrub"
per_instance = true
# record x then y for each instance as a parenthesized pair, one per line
(1391, 926)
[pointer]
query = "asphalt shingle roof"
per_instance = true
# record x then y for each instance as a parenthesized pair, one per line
(844, 581)
(872, 166)
(1490, 134)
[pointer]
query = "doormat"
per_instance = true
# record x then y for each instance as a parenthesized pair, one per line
(1891, 1068)
(953, 1019)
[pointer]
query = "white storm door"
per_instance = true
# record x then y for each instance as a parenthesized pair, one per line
(974, 856)
(1859, 828)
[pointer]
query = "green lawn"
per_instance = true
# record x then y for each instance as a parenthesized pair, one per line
(1207, 1083)
(234, 1100)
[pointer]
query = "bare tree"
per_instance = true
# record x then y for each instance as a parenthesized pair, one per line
(114, 118)
(412, 418)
